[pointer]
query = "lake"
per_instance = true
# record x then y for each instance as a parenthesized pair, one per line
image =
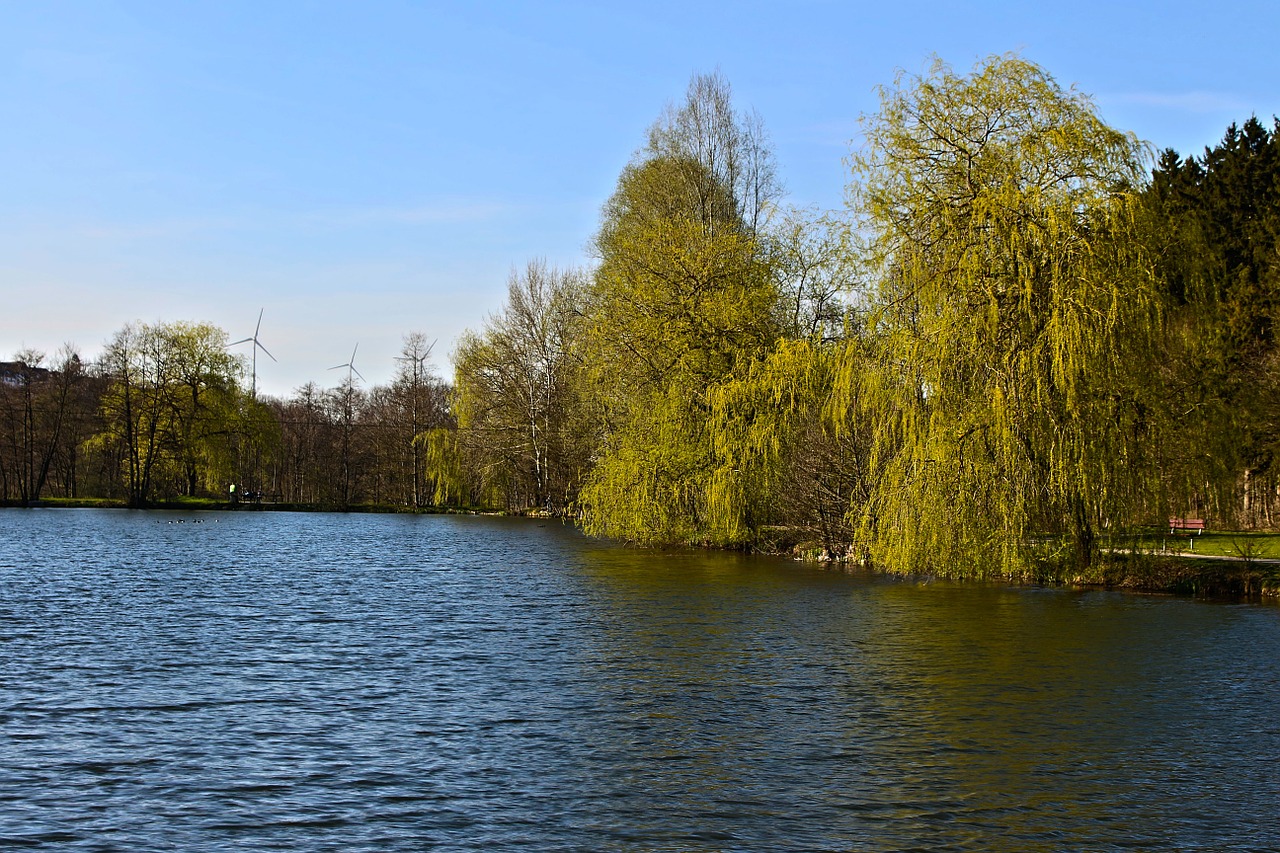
(281, 681)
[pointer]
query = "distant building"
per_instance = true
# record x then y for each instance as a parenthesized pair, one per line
(15, 374)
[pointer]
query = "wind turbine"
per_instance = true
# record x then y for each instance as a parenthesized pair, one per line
(420, 361)
(257, 345)
(351, 365)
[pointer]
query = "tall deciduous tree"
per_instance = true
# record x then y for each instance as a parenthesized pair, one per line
(304, 468)
(202, 391)
(819, 268)
(1015, 318)
(132, 414)
(345, 406)
(170, 407)
(418, 396)
(36, 406)
(513, 399)
(684, 295)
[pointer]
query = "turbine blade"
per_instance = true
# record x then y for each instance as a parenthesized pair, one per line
(259, 326)
(237, 343)
(264, 349)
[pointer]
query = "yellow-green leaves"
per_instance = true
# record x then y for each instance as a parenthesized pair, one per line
(1012, 299)
(172, 408)
(683, 300)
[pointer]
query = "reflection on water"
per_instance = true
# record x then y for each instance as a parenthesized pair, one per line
(319, 682)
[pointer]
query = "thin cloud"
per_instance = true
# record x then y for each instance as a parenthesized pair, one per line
(1190, 102)
(458, 212)
(428, 214)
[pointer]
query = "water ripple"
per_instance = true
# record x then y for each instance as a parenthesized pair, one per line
(305, 682)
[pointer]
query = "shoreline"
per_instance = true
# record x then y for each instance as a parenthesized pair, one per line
(1186, 573)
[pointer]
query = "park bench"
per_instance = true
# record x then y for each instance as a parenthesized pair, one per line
(1192, 525)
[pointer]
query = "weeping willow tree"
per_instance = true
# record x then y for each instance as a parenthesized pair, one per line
(677, 305)
(683, 298)
(789, 454)
(1014, 323)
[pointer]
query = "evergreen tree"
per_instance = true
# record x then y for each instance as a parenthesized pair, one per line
(1216, 219)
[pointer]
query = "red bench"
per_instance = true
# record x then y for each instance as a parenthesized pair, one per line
(1193, 525)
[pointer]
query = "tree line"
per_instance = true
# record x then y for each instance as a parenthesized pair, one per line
(165, 413)
(1024, 337)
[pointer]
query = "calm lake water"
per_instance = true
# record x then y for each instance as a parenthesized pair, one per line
(273, 681)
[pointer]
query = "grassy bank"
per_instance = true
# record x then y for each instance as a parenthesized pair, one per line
(212, 504)
(1236, 546)
(1222, 575)
(206, 504)
(1220, 564)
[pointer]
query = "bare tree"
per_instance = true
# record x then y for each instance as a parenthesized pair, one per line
(513, 395)
(418, 394)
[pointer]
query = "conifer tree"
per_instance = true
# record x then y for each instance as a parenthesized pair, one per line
(1216, 220)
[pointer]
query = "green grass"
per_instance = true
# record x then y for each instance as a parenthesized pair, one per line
(1242, 572)
(184, 503)
(1250, 546)
(191, 503)
(81, 502)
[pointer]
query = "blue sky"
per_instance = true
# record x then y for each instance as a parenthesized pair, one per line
(361, 170)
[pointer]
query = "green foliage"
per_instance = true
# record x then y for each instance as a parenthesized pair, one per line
(444, 461)
(646, 484)
(1216, 221)
(171, 409)
(1011, 351)
(1013, 294)
(786, 451)
(684, 297)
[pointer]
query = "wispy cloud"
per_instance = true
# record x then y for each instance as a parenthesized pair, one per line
(445, 212)
(161, 229)
(459, 212)
(1189, 102)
